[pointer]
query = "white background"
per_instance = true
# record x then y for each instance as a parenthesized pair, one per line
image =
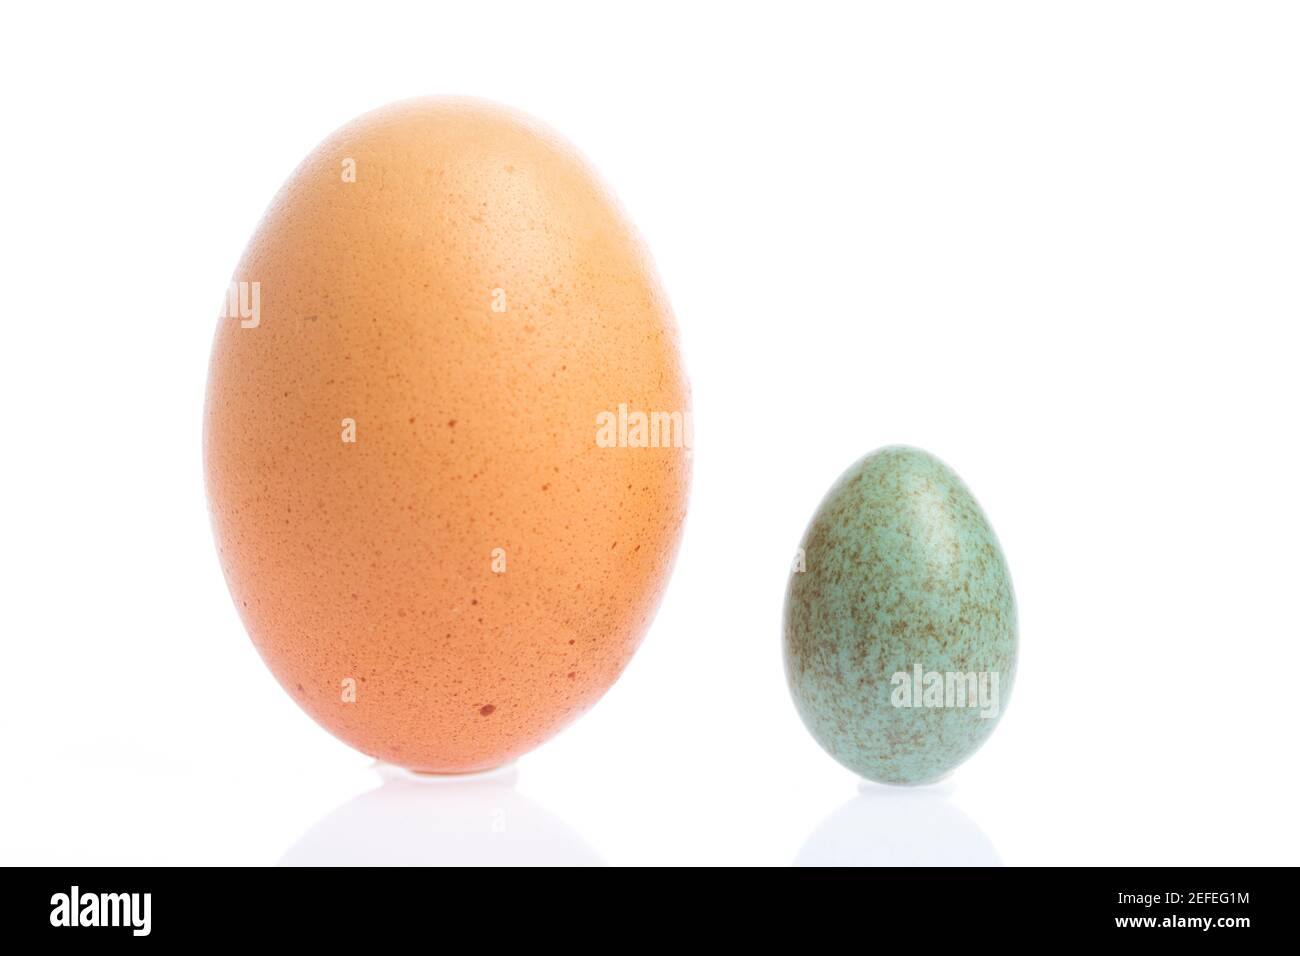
(1057, 245)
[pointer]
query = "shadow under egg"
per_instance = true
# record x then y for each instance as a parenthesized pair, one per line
(898, 826)
(410, 819)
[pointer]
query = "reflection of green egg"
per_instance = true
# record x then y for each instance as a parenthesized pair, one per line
(900, 621)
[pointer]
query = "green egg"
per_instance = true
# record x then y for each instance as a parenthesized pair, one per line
(900, 620)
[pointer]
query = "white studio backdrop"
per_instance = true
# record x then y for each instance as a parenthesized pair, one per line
(1054, 244)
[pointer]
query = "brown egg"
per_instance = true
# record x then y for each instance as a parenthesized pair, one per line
(447, 436)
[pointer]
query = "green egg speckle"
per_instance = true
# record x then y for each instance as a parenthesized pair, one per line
(900, 621)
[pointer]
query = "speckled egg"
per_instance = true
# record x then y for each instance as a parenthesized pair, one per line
(900, 620)
(447, 435)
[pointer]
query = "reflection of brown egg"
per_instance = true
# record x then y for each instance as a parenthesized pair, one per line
(433, 517)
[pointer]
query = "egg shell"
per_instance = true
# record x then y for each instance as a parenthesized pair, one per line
(900, 570)
(447, 282)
